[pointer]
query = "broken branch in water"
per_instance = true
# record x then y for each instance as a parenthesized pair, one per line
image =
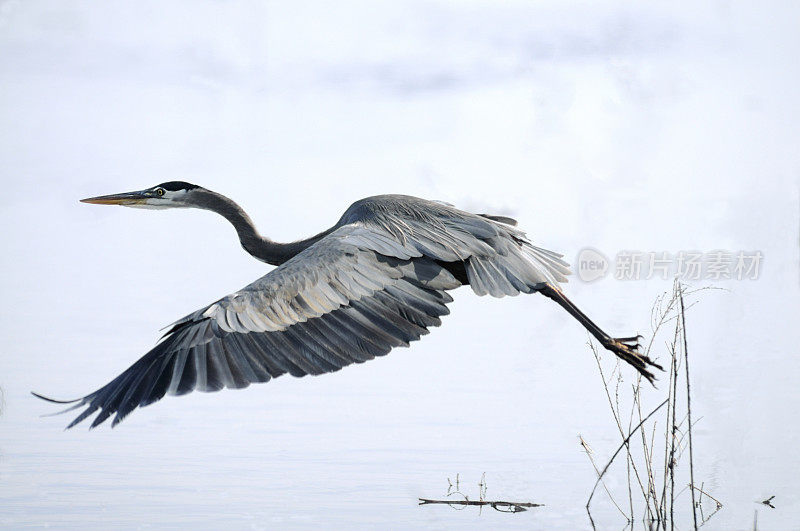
(700, 490)
(502, 506)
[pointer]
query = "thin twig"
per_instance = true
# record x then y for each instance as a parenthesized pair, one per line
(621, 446)
(616, 417)
(669, 306)
(652, 478)
(699, 489)
(688, 403)
(673, 427)
(651, 492)
(589, 452)
(667, 457)
(707, 518)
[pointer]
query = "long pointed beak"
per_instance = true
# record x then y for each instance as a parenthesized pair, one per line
(128, 198)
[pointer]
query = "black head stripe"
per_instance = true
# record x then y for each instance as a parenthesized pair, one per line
(174, 186)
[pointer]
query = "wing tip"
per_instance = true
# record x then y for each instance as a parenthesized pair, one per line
(53, 400)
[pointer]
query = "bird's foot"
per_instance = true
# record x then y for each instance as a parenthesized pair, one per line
(630, 342)
(629, 350)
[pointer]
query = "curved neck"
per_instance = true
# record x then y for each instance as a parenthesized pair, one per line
(258, 246)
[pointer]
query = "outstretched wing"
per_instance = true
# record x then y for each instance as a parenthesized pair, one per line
(377, 282)
(334, 304)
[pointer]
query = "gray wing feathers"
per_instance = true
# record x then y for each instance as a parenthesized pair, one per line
(373, 284)
(498, 257)
(515, 268)
(325, 309)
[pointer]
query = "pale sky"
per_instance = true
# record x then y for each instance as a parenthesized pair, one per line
(614, 126)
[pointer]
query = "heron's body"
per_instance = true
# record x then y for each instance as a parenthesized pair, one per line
(376, 280)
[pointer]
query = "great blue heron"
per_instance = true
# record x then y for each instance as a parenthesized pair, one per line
(377, 279)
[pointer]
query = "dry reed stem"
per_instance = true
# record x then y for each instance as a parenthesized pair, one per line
(659, 507)
(621, 446)
(688, 404)
(589, 452)
(615, 413)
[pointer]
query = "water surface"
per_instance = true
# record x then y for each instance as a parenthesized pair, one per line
(608, 126)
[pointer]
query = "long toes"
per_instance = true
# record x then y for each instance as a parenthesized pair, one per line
(628, 352)
(632, 339)
(630, 342)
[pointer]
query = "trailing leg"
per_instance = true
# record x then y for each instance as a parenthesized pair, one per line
(626, 348)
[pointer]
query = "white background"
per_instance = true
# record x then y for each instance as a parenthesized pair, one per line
(612, 125)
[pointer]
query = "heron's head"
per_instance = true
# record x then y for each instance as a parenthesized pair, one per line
(173, 194)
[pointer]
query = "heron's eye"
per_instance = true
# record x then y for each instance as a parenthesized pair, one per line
(160, 191)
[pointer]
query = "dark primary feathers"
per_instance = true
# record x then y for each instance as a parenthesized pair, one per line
(378, 280)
